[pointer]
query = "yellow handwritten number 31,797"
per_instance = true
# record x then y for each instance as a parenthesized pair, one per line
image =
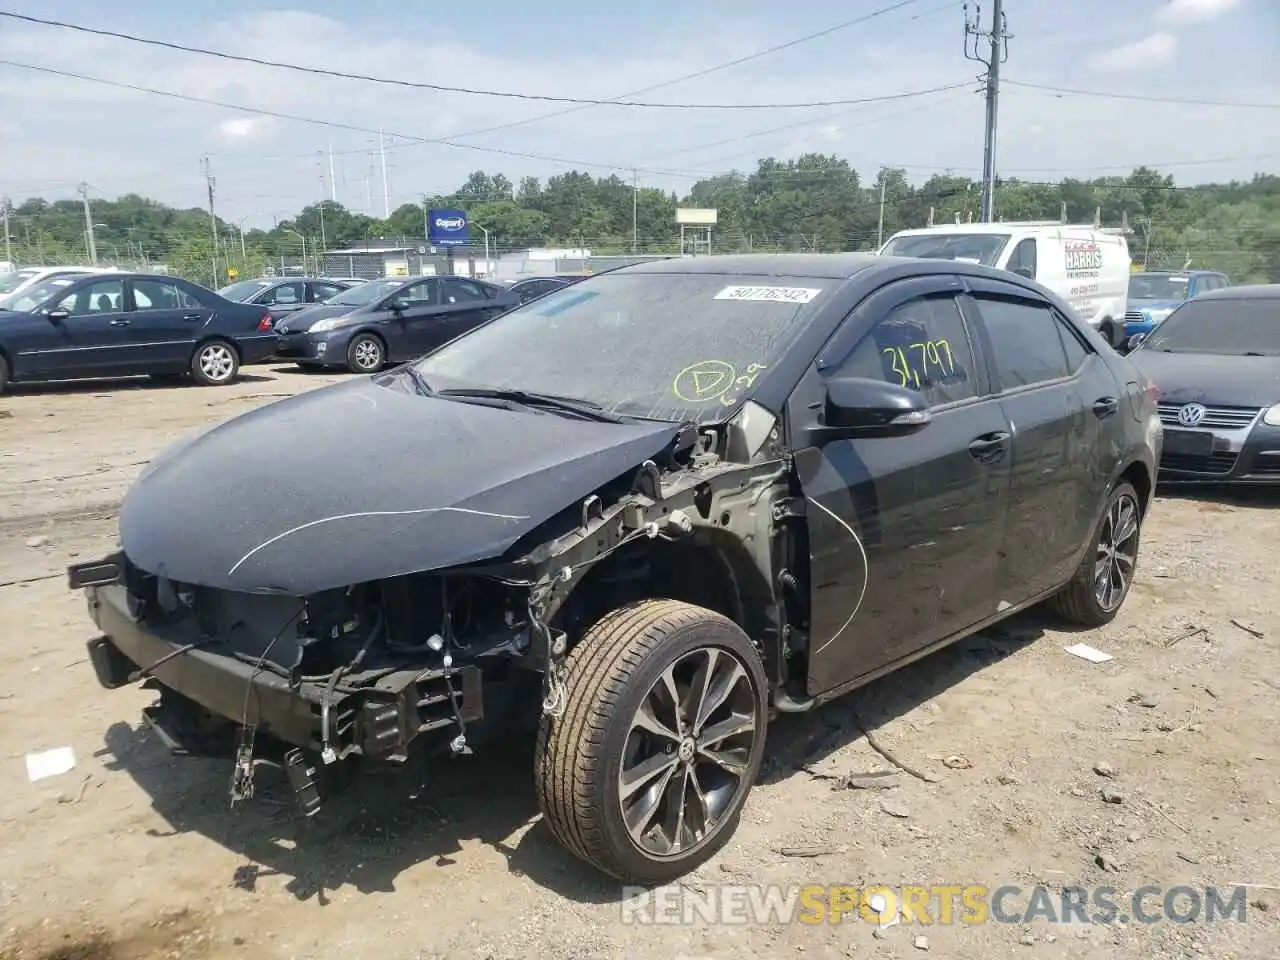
(912, 362)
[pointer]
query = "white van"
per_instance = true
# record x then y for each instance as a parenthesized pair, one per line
(1086, 266)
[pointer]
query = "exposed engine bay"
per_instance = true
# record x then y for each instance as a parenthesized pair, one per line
(440, 660)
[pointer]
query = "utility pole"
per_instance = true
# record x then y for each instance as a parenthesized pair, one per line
(210, 183)
(386, 194)
(996, 44)
(635, 213)
(88, 225)
(426, 220)
(333, 183)
(8, 248)
(880, 229)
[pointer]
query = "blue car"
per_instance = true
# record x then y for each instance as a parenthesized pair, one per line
(1153, 295)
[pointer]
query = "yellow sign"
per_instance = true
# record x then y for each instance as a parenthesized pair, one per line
(232, 272)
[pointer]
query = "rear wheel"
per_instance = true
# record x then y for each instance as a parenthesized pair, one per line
(215, 363)
(366, 354)
(646, 773)
(1101, 584)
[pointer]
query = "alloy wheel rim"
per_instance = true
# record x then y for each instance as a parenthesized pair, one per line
(1117, 553)
(367, 354)
(688, 753)
(216, 362)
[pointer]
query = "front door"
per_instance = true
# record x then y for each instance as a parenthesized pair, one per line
(95, 333)
(411, 325)
(903, 532)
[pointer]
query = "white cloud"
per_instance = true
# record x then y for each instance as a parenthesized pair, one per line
(243, 128)
(1182, 12)
(268, 166)
(1156, 50)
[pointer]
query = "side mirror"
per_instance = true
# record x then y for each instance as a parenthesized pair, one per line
(398, 305)
(860, 407)
(1135, 341)
(58, 315)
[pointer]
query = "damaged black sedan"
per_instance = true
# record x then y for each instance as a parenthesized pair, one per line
(637, 517)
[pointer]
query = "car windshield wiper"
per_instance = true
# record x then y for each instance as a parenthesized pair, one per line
(418, 380)
(583, 408)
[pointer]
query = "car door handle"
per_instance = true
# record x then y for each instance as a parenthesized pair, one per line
(193, 316)
(119, 322)
(989, 446)
(1105, 406)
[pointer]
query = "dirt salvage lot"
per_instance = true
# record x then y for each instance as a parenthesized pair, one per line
(134, 854)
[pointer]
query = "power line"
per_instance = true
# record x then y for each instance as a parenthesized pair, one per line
(334, 124)
(718, 67)
(1141, 98)
(471, 91)
(296, 118)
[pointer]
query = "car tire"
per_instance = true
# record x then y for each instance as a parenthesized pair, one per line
(215, 363)
(1116, 536)
(615, 699)
(4, 373)
(366, 353)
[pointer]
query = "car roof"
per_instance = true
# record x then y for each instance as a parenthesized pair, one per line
(1255, 291)
(830, 266)
(817, 266)
(1178, 273)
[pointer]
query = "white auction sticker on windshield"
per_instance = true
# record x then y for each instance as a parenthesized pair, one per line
(769, 294)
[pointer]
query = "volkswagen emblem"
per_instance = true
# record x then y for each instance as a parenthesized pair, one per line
(283, 330)
(1191, 414)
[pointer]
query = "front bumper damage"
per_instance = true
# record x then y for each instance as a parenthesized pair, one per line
(215, 700)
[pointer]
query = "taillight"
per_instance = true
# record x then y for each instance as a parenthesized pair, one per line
(266, 323)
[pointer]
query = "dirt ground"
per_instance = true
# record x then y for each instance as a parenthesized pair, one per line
(135, 854)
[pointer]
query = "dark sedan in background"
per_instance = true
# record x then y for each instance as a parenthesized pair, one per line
(389, 321)
(283, 295)
(531, 288)
(1216, 363)
(125, 324)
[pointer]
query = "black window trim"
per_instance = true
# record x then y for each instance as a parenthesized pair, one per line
(858, 323)
(973, 311)
(176, 282)
(89, 280)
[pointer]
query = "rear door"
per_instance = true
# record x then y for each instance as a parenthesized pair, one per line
(283, 299)
(319, 291)
(1055, 394)
(465, 305)
(165, 322)
(903, 531)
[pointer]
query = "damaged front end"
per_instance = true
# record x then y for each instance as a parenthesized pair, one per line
(351, 673)
(436, 662)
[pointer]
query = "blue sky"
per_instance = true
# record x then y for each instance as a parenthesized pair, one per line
(55, 132)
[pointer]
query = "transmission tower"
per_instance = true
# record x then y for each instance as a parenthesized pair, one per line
(991, 49)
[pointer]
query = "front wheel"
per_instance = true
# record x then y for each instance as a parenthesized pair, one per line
(215, 364)
(1098, 589)
(646, 773)
(366, 354)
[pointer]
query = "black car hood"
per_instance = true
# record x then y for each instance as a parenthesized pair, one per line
(1211, 379)
(358, 482)
(301, 320)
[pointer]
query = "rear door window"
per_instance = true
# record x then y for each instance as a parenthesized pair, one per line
(1026, 345)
